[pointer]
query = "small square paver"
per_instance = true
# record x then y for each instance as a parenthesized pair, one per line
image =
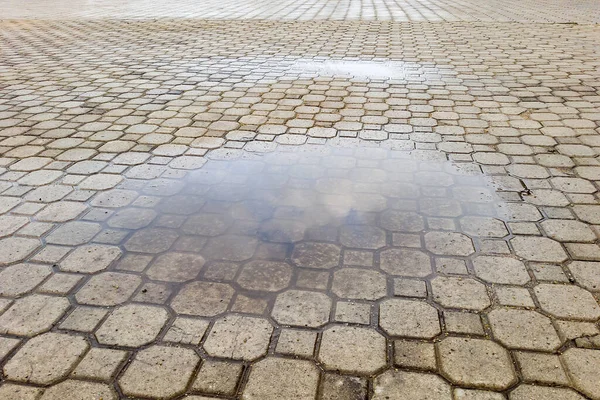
(134, 262)
(309, 279)
(514, 296)
(410, 288)
(100, 364)
(351, 312)
(187, 331)
(218, 377)
(413, 354)
(249, 305)
(462, 322)
(60, 283)
(84, 319)
(343, 387)
(451, 266)
(549, 272)
(358, 258)
(296, 342)
(541, 368)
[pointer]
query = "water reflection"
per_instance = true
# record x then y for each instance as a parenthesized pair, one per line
(268, 222)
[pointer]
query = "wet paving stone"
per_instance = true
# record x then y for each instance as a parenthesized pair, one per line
(349, 201)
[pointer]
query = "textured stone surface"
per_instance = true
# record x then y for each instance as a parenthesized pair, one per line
(295, 378)
(476, 363)
(132, 325)
(464, 293)
(32, 315)
(239, 338)
(402, 385)
(583, 366)
(352, 350)
(159, 372)
(46, 358)
(79, 390)
(407, 318)
(522, 329)
(302, 308)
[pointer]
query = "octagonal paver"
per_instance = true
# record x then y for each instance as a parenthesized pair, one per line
(316, 255)
(587, 274)
(541, 249)
(108, 289)
(14, 249)
(220, 248)
(151, 240)
(399, 221)
(362, 237)
(32, 315)
(175, 267)
(18, 279)
(503, 270)
(583, 367)
(529, 392)
(159, 372)
(359, 284)
(405, 262)
(79, 390)
(302, 308)
(403, 385)
(524, 329)
(465, 293)
(132, 325)
(569, 302)
(239, 338)
(476, 363)
(90, 259)
(204, 299)
(46, 358)
(409, 318)
(449, 243)
(266, 276)
(352, 350)
(296, 379)
(73, 233)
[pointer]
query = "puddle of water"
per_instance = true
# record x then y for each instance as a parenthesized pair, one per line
(264, 223)
(354, 68)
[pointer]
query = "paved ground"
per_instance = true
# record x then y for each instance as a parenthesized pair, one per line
(277, 200)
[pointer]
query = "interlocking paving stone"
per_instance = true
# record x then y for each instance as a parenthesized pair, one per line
(583, 367)
(132, 325)
(352, 350)
(570, 302)
(302, 308)
(408, 318)
(526, 392)
(159, 372)
(79, 390)
(523, 329)
(401, 385)
(476, 363)
(32, 315)
(239, 338)
(46, 358)
(297, 379)
(18, 279)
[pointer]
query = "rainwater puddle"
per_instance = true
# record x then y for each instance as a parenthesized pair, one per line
(247, 227)
(355, 68)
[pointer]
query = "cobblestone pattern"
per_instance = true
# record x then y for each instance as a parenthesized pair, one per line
(435, 237)
(539, 11)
